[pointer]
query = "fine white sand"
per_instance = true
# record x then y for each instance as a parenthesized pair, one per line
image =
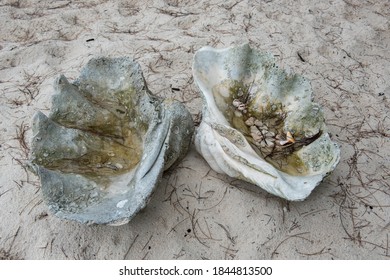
(342, 46)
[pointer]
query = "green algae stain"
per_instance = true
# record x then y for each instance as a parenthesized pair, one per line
(272, 114)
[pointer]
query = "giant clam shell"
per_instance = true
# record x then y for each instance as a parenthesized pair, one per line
(106, 142)
(260, 124)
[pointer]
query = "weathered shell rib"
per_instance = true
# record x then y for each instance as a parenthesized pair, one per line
(260, 124)
(106, 142)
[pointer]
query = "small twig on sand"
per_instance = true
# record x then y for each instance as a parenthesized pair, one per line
(131, 246)
(298, 235)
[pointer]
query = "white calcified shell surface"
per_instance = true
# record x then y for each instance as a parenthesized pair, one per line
(103, 148)
(260, 124)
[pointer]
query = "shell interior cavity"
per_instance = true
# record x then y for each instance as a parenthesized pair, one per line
(260, 124)
(103, 148)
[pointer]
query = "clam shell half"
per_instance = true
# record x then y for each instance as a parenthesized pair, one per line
(260, 124)
(106, 142)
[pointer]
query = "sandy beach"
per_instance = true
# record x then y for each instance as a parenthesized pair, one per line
(341, 46)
